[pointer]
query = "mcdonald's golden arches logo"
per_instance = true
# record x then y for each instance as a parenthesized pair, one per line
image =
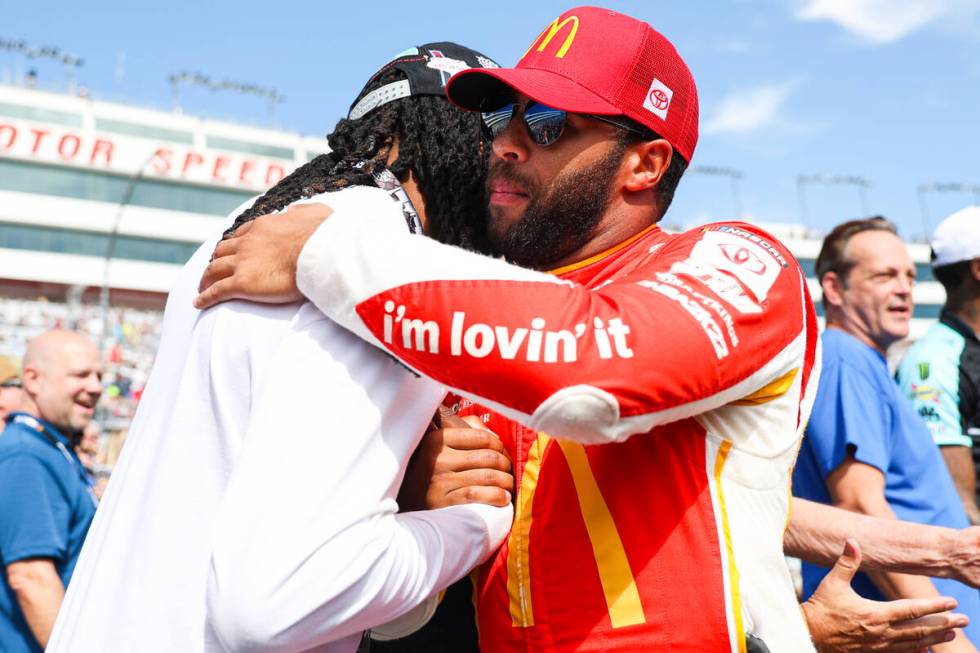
(549, 33)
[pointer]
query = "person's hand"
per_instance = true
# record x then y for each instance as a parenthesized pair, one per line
(963, 555)
(259, 261)
(455, 463)
(841, 621)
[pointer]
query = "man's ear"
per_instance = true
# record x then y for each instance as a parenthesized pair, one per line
(833, 288)
(30, 379)
(646, 161)
(975, 269)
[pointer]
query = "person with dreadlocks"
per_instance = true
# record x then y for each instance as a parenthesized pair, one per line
(254, 506)
(686, 362)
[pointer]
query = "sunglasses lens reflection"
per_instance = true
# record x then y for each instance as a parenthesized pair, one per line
(544, 124)
(496, 121)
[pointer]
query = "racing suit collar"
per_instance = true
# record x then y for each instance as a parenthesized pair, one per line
(578, 265)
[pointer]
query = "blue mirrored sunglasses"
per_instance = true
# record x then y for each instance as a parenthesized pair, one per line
(544, 124)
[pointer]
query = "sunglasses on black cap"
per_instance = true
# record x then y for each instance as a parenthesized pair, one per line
(545, 124)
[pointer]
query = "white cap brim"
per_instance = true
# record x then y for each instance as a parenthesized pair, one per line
(957, 238)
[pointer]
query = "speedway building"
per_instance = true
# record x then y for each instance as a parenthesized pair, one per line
(74, 171)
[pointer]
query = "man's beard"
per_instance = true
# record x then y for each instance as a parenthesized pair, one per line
(561, 216)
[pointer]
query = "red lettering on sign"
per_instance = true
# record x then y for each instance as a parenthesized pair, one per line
(161, 161)
(11, 135)
(245, 175)
(191, 159)
(217, 172)
(274, 174)
(102, 148)
(39, 135)
(68, 146)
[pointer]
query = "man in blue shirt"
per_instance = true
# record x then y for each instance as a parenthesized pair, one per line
(46, 503)
(865, 448)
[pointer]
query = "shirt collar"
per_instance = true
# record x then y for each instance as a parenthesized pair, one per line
(837, 332)
(953, 321)
(38, 425)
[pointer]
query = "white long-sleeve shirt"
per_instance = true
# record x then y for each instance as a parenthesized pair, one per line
(253, 508)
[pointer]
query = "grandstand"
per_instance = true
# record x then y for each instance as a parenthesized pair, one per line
(95, 193)
(69, 164)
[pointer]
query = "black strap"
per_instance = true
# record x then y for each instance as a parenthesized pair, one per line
(365, 645)
(755, 645)
(387, 181)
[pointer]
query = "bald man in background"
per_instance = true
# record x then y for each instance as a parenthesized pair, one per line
(46, 500)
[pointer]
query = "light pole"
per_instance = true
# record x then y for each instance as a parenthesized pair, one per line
(860, 183)
(110, 249)
(734, 175)
(943, 187)
(804, 211)
(205, 81)
(69, 61)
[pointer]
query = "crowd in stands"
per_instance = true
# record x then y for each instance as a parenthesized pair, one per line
(129, 349)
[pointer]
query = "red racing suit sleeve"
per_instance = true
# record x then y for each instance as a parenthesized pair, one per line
(702, 320)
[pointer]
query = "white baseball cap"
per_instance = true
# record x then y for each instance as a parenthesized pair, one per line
(957, 238)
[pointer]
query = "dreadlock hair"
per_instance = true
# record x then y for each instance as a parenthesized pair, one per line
(441, 144)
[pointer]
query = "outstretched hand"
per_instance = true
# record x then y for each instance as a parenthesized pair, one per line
(841, 621)
(258, 262)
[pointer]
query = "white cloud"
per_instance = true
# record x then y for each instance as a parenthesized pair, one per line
(885, 21)
(748, 110)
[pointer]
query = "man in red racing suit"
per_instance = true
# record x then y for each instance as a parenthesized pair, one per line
(663, 381)
(704, 342)
(587, 517)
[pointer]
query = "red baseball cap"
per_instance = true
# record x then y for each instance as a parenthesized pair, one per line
(594, 60)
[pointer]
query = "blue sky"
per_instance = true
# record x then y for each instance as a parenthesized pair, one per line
(885, 90)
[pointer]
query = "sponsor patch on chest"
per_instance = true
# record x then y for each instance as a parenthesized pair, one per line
(749, 262)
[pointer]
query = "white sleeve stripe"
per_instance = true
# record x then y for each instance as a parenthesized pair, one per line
(590, 415)
(333, 264)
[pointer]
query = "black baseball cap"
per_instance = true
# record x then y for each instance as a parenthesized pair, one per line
(427, 69)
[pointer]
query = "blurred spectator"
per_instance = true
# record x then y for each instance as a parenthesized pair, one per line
(865, 449)
(131, 345)
(46, 500)
(10, 391)
(102, 473)
(88, 446)
(941, 372)
(89, 451)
